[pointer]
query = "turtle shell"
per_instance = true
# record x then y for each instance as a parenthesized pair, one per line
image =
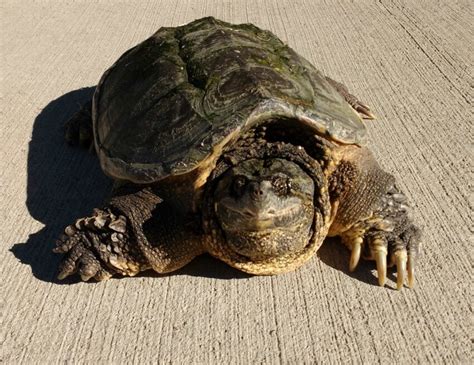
(172, 102)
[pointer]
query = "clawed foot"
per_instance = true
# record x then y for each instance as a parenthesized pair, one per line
(96, 247)
(387, 235)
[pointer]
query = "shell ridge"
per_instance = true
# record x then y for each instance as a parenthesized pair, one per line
(171, 102)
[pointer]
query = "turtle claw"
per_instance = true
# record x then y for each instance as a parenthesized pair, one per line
(80, 260)
(379, 242)
(401, 263)
(355, 254)
(378, 251)
(381, 260)
(364, 111)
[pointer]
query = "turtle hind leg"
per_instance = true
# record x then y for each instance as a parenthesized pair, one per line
(363, 110)
(78, 129)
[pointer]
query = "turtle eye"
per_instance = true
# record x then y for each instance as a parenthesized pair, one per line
(238, 185)
(281, 184)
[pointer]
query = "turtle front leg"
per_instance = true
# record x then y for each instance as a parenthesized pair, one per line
(130, 235)
(98, 247)
(387, 234)
(371, 216)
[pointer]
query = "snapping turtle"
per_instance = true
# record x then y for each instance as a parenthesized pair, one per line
(222, 139)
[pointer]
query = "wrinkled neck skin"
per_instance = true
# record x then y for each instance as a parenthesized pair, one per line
(266, 208)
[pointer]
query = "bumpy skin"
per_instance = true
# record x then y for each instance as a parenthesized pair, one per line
(351, 197)
(371, 215)
(135, 232)
(242, 103)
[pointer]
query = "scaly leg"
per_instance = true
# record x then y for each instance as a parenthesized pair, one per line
(372, 217)
(387, 233)
(134, 233)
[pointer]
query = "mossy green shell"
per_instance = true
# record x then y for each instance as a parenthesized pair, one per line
(171, 101)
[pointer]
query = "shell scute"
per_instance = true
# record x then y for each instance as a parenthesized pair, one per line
(170, 102)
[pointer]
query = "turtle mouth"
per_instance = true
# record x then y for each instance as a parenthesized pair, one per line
(253, 219)
(267, 229)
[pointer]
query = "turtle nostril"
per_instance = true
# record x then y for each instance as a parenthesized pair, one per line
(256, 192)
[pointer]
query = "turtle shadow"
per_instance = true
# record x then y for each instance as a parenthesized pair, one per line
(334, 254)
(64, 183)
(204, 266)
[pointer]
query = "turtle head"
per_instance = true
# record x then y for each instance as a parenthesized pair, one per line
(265, 208)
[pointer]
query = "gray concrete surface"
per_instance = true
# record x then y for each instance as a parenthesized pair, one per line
(411, 61)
